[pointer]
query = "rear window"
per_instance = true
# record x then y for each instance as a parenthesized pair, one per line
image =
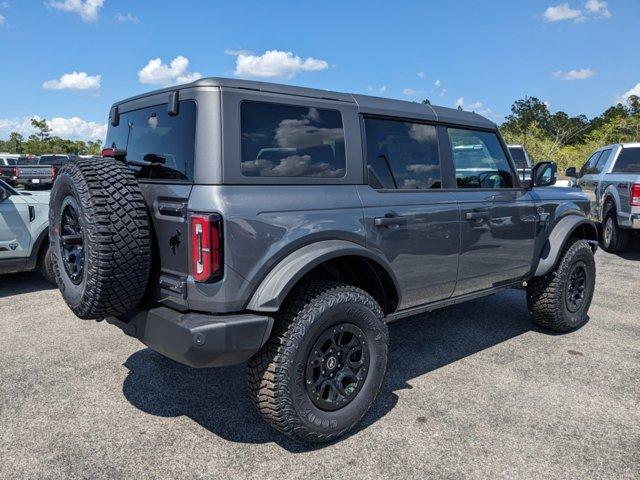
(517, 153)
(10, 161)
(53, 159)
(628, 161)
(159, 146)
(291, 141)
(27, 161)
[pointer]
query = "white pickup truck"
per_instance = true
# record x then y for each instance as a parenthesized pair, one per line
(24, 232)
(610, 178)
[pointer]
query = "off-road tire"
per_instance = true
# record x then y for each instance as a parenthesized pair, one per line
(547, 295)
(45, 264)
(276, 374)
(115, 230)
(618, 240)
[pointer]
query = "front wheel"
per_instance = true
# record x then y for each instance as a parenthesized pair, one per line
(560, 300)
(324, 364)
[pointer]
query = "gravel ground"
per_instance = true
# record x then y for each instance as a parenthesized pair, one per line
(472, 391)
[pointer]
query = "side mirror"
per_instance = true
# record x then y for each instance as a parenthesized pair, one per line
(571, 172)
(543, 174)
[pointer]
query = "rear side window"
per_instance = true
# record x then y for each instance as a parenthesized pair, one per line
(628, 161)
(590, 165)
(604, 156)
(159, 146)
(479, 160)
(402, 155)
(291, 141)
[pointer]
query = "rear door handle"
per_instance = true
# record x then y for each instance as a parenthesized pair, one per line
(478, 215)
(390, 221)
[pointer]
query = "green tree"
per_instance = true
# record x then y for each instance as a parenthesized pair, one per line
(42, 127)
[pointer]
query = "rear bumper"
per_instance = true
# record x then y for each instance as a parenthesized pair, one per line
(635, 222)
(197, 339)
(30, 181)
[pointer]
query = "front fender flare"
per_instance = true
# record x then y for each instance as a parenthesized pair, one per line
(278, 283)
(558, 239)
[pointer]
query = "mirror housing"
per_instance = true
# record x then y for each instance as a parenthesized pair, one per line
(543, 174)
(571, 172)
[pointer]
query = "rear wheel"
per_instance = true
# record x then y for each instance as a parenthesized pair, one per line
(323, 366)
(45, 264)
(99, 236)
(614, 238)
(560, 300)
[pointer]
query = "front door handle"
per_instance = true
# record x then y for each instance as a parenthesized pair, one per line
(390, 221)
(478, 215)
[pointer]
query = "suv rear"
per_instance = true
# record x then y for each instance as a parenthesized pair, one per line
(237, 221)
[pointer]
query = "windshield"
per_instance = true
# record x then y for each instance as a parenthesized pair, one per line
(10, 161)
(628, 161)
(519, 158)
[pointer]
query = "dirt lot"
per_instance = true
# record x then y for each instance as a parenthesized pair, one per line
(472, 391)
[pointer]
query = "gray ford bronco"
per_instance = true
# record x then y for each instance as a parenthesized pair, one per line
(231, 221)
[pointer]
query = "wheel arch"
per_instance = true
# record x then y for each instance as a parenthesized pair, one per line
(571, 226)
(40, 241)
(330, 259)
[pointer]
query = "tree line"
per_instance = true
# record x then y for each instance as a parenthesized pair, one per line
(42, 142)
(559, 137)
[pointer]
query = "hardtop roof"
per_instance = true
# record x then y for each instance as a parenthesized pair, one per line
(365, 103)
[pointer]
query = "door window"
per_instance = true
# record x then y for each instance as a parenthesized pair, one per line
(479, 160)
(402, 155)
(602, 161)
(590, 166)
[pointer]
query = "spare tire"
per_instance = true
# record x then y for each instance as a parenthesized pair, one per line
(99, 238)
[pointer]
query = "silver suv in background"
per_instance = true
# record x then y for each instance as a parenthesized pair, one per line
(610, 178)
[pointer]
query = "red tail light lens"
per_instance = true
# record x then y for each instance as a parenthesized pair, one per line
(635, 195)
(108, 152)
(54, 173)
(206, 247)
(15, 172)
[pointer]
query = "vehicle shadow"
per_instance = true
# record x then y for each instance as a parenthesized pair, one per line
(217, 399)
(633, 250)
(19, 283)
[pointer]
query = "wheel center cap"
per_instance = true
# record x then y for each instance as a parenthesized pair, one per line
(332, 362)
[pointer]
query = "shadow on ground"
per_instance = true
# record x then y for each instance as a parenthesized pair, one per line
(217, 398)
(19, 283)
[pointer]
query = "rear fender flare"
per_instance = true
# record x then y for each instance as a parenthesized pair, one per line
(281, 279)
(558, 237)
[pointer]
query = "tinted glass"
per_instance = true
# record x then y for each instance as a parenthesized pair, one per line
(604, 156)
(27, 161)
(628, 161)
(517, 153)
(159, 146)
(590, 166)
(479, 160)
(291, 141)
(53, 160)
(402, 155)
(10, 161)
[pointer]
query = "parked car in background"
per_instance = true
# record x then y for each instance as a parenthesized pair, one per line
(610, 178)
(8, 168)
(521, 160)
(42, 172)
(24, 232)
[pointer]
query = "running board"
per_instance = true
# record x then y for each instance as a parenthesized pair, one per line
(448, 302)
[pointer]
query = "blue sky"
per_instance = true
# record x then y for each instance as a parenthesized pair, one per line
(68, 60)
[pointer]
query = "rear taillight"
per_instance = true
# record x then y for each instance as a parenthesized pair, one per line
(635, 195)
(206, 247)
(15, 172)
(54, 173)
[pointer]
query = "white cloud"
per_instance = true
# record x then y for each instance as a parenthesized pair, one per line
(581, 74)
(598, 8)
(437, 83)
(275, 64)
(3, 20)
(87, 9)
(410, 92)
(421, 74)
(381, 89)
(157, 73)
(562, 12)
(635, 90)
(127, 18)
(73, 128)
(479, 108)
(74, 81)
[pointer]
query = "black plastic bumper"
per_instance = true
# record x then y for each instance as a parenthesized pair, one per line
(196, 339)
